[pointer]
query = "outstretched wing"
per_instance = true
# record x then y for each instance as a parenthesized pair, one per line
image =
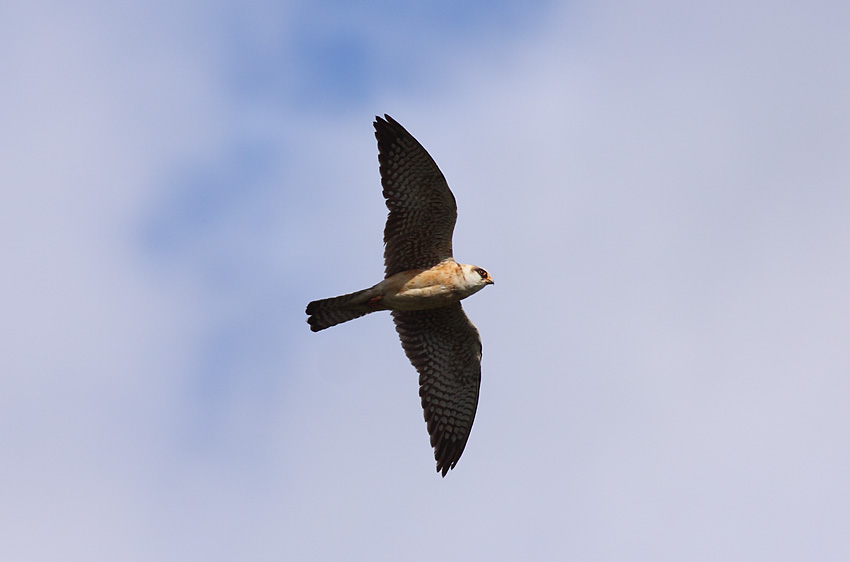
(445, 348)
(423, 211)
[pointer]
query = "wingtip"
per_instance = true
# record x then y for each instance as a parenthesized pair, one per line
(386, 120)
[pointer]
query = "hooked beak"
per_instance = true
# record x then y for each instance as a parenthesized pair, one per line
(490, 281)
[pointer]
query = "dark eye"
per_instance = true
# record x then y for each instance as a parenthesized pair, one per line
(482, 273)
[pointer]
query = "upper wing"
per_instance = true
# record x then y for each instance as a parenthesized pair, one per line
(445, 348)
(423, 211)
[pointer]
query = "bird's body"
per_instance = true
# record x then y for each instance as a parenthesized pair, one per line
(423, 288)
(414, 289)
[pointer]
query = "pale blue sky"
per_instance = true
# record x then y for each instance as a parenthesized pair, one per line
(659, 190)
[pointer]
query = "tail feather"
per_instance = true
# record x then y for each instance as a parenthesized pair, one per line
(330, 312)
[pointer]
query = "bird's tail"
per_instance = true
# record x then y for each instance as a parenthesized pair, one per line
(330, 312)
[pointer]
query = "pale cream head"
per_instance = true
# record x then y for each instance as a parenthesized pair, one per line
(475, 278)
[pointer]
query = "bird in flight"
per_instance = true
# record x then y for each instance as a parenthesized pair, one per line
(422, 287)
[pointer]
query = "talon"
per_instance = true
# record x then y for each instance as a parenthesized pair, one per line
(374, 301)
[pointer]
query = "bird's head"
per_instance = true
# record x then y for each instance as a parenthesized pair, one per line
(476, 277)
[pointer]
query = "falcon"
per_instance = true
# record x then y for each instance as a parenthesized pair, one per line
(422, 288)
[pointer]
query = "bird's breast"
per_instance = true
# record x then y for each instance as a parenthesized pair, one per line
(420, 289)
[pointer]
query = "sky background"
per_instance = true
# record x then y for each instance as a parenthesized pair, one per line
(661, 191)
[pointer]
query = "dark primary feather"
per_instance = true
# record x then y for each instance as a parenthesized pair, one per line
(445, 348)
(423, 211)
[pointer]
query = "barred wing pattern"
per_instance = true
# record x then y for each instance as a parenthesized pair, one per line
(423, 211)
(445, 348)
